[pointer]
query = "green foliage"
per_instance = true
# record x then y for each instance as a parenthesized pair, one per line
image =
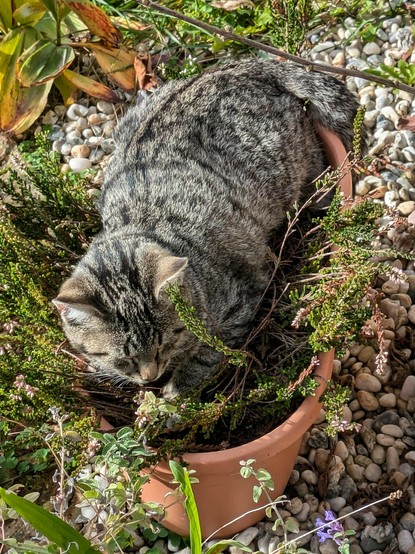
(358, 141)
(334, 306)
(290, 23)
(281, 23)
(265, 482)
(182, 477)
(49, 525)
(403, 72)
(45, 221)
(188, 315)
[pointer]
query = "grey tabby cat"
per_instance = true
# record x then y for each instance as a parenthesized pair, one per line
(202, 174)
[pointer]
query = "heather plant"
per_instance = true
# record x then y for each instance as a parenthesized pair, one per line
(45, 219)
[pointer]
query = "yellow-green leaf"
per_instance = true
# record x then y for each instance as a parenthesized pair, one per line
(19, 107)
(117, 64)
(68, 90)
(96, 20)
(98, 90)
(43, 61)
(6, 19)
(29, 13)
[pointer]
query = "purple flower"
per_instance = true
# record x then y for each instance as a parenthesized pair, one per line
(330, 528)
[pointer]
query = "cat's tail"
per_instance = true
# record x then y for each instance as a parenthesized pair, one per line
(327, 99)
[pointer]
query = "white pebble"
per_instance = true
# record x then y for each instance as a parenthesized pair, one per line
(76, 110)
(371, 48)
(409, 153)
(105, 107)
(362, 188)
(79, 164)
(406, 208)
(66, 149)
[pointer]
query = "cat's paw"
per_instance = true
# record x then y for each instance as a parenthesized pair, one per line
(170, 391)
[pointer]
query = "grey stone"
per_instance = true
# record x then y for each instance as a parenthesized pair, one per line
(378, 454)
(318, 439)
(263, 543)
(328, 547)
(376, 537)
(373, 473)
(408, 388)
(347, 487)
(405, 541)
(295, 505)
(388, 400)
(105, 107)
(408, 521)
(388, 417)
(392, 430)
(245, 537)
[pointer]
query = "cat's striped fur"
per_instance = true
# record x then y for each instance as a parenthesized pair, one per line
(203, 172)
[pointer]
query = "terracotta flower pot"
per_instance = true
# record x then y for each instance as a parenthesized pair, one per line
(222, 495)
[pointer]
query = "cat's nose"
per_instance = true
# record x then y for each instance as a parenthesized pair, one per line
(149, 371)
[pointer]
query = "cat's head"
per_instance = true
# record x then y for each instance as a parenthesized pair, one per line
(117, 315)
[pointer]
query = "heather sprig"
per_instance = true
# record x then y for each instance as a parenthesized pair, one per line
(187, 314)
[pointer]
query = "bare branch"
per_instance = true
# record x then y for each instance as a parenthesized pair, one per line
(311, 66)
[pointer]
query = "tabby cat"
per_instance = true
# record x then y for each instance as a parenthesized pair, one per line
(202, 174)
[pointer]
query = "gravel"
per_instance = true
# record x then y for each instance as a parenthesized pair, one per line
(353, 468)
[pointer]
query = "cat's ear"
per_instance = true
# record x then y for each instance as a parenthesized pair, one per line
(169, 268)
(73, 303)
(75, 312)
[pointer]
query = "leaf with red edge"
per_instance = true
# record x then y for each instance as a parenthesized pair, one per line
(146, 79)
(117, 64)
(98, 90)
(96, 20)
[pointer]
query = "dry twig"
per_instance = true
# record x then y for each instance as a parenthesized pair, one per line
(311, 66)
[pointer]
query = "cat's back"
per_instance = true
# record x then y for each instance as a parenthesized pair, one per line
(218, 147)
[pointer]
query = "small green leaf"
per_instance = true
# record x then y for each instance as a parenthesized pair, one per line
(221, 545)
(246, 472)
(291, 525)
(256, 493)
(263, 475)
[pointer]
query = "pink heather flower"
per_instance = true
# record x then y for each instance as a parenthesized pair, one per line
(93, 447)
(19, 382)
(15, 397)
(31, 391)
(10, 327)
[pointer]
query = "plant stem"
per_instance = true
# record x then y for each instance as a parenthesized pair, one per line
(392, 496)
(311, 66)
